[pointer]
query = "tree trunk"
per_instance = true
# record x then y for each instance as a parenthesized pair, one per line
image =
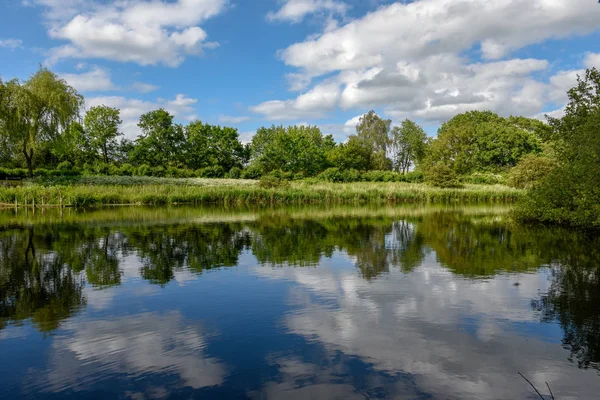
(29, 158)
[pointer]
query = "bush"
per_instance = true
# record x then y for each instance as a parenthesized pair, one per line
(282, 175)
(338, 175)
(272, 182)
(252, 172)
(65, 166)
(143, 170)
(235, 173)
(216, 171)
(127, 170)
(441, 175)
(530, 170)
(14, 173)
(113, 170)
(483, 178)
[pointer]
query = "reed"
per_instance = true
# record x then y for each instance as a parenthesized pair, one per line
(227, 192)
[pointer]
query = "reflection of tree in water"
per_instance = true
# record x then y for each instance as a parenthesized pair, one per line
(35, 283)
(166, 249)
(574, 301)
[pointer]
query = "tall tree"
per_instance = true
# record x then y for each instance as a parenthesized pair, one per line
(293, 149)
(161, 142)
(37, 110)
(102, 127)
(375, 131)
(408, 145)
(209, 145)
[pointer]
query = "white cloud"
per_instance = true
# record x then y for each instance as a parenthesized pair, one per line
(97, 79)
(592, 60)
(297, 10)
(416, 30)
(11, 43)
(312, 104)
(407, 58)
(182, 107)
(140, 31)
(230, 119)
(143, 87)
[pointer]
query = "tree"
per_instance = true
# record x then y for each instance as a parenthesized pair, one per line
(375, 131)
(291, 149)
(37, 110)
(408, 145)
(356, 154)
(210, 145)
(161, 142)
(571, 193)
(73, 145)
(102, 126)
(483, 141)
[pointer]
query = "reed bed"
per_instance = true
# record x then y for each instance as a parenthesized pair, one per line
(248, 193)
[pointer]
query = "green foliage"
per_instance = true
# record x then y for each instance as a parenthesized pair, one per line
(161, 142)
(273, 181)
(408, 145)
(352, 175)
(36, 111)
(530, 170)
(291, 149)
(483, 141)
(210, 145)
(101, 125)
(570, 194)
(253, 171)
(356, 154)
(65, 166)
(441, 175)
(484, 178)
(235, 173)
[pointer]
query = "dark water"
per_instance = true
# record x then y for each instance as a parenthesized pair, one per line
(412, 303)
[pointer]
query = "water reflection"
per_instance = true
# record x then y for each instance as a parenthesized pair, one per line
(414, 303)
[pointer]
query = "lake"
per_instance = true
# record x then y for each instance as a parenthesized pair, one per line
(408, 302)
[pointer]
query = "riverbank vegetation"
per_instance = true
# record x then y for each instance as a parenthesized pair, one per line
(41, 125)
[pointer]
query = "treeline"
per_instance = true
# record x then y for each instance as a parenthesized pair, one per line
(41, 125)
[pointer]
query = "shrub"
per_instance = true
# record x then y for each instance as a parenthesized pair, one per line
(283, 175)
(338, 175)
(252, 172)
(530, 170)
(143, 170)
(127, 170)
(272, 182)
(441, 175)
(235, 173)
(483, 178)
(114, 170)
(216, 171)
(65, 166)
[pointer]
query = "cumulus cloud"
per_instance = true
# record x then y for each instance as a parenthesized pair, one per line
(11, 43)
(182, 107)
(592, 60)
(97, 79)
(140, 31)
(311, 104)
(230, 119)
(143, 87)
(408, 59)
(297, 10)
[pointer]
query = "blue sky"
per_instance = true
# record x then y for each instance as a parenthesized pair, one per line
(249, 63)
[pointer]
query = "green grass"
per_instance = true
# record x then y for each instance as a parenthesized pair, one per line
(86, 191)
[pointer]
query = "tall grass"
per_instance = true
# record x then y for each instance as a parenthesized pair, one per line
(248, 192)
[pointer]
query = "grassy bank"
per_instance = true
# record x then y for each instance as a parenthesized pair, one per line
(160, 191)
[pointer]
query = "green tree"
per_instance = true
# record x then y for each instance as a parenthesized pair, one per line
(375, 131)
(161, 142)
(36, 111)
(291, 149)
(102, 127)
(356, 154)
(210, 145)
(571, 193)
(483, 141)
(408, 145)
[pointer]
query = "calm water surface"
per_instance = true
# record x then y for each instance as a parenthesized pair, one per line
(412, 302)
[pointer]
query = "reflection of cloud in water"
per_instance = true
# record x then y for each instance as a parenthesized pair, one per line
(133, 346)
(459, 338)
